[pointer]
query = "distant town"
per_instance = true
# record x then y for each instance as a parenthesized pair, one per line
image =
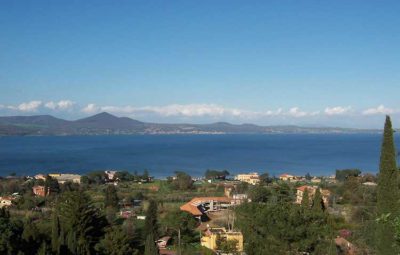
(108, 124)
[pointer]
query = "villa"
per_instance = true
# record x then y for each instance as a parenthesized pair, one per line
(251, 178)
(211, 236)
(199, 206)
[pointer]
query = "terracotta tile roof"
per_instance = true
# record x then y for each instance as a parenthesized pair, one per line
(193, 205)
(304, 187)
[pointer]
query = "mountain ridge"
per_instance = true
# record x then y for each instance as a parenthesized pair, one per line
(107, 124)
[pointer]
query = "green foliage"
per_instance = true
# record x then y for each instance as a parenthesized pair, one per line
(96, 177)
(151, 222)
(305, 201)
(283, 228)
(342, 175)
(227, 246)
(51, 185)
(9, 234)
(81, 223)
(183, 181)
(265, 179)
(185, 222)
(124, 176)
(388, 192)
(116, 242)
(260, 194)
(111, 197)
(216, 174)
(150, 246)
(318, 204)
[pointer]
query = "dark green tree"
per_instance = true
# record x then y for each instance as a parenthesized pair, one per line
(55, 233)
(183, 181)
(81, 223)
(116, 242)
(259, 194)
(318, 204)
(111, 197)
(151, 222)
(305, 201)
(51, 185)
(150, 246)
(388, 192)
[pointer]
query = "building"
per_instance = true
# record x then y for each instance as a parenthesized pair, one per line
(40, 177)
(286, 177)
(325, 194)
(110, 174)
(211, 235)
(251, 178)
(40, 191)
(198, 206)
(6, 201)
(63, 178)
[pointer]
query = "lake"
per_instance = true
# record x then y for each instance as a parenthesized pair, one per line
(318, 154)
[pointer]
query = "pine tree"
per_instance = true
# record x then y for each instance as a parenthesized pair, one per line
(80, 222)
(388, 191)
(151, 223)
(150, 246)
(305, 201)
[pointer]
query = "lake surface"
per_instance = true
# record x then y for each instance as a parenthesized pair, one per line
(318, 154)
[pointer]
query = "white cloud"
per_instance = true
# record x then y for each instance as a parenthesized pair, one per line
(338, 110)
(60, 105)
(296, 112)
(31, 106)
(381, 109)
(90, 109)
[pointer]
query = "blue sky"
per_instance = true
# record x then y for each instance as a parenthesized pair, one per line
(316, 63)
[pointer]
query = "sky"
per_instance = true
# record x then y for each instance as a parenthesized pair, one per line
(309, 63)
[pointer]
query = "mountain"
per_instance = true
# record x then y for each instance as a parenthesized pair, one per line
(108, 124)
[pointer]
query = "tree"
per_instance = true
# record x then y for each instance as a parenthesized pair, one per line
(308, 177)
(318, 203)
(342, 175)
(151, 222)
(9, 235)
(183, 181)
(111, 197)
(215, 174)
(51, 185)
(150, 246)
(55, 233)
(265, 179)
(81, 223)
(259, 194)
(116, 242)
(305, 201)
(227, 246)
(388, 192)
(183, 221)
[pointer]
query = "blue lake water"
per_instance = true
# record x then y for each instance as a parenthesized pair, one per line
(164, 154)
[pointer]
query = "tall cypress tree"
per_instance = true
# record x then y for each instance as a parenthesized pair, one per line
(318, 204)
(305, 201)
(55, 233)
(388, 192)
(150, 246)
(151, 223)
